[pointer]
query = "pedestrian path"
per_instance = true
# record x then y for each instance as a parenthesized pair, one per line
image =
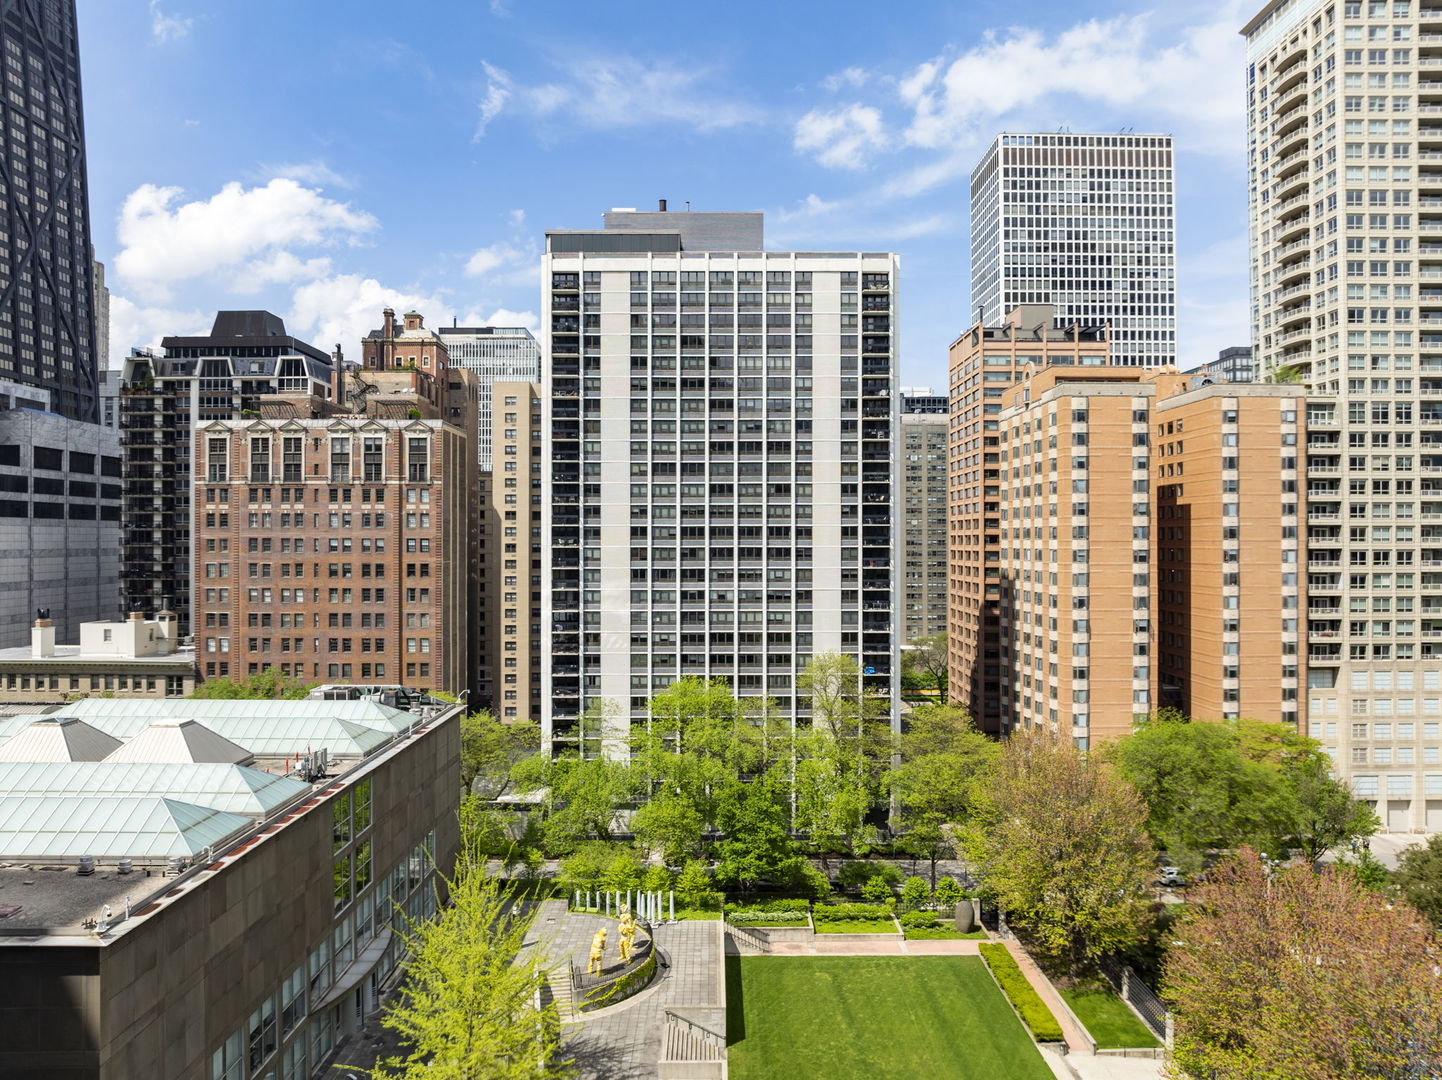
(624, 1041)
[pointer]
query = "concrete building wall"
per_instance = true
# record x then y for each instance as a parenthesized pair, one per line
(924, 525)
(60, 500)
(161, 996)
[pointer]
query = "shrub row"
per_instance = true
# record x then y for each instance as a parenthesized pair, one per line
(916, 920)
(849, 912)
(785, 906)
(741, 917)
(1028, 1004)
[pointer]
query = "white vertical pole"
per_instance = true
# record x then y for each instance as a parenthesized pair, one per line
(673, 905)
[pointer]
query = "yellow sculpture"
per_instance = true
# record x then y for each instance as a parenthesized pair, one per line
(598, 952)
(628, 933)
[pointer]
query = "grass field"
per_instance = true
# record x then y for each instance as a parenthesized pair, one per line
(857, 926)
(1107, 1018)
(864, 1017)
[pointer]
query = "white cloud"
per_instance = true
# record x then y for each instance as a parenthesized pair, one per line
(164, 28)
(842, 138)
(315, 173)
(492, 258)
(278, 267)
(163, 243)
(851, 76)
(498, 92)
(133, 326)
(499, 8)
(503, 317)
(343, 308)
(615, 92)
(1141, 71)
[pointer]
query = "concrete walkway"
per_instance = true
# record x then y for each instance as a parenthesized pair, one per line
(624, 1041)
(1076, 1042)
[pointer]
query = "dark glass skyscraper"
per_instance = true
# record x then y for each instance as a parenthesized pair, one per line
(47, 328)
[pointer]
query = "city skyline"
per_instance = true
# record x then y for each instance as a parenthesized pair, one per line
(866, 146)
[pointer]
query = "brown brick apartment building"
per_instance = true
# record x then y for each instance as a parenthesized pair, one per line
(338, 541)
(1147, 549)
(984, 362)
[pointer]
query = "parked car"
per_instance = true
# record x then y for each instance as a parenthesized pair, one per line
(1172, 876)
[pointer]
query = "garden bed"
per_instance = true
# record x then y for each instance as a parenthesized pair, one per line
(944, 933)
(859, 926)
(1022, 995)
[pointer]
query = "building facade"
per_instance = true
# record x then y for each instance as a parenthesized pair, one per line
(493, 354)
(924, 434)
(137, 657)
(60, 502)
(47, 322)
(339, 543)
(984, 363)
(1083, 224)
(140, 951)
(1345, 244)
(512, 560)
(221, 376)
(1142, 561)
(723, 437)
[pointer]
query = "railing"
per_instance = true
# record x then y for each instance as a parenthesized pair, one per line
(1138, 995)
(759, 942)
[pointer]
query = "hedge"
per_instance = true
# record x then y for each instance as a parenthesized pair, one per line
(1027, 1002)
(915, 920)
(823, 913)
(776, 907)
(742, 916)
(630, 983)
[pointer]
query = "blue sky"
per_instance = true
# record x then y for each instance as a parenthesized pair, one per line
(325, 157)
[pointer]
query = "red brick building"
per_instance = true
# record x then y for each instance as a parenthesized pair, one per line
(338, 541)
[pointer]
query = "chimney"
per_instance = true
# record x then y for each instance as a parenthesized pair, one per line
(42, 638)
(388, 327)
(663, 206)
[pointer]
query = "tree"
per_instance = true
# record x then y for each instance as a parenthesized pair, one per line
(1295, 973)
(668, 825)
(949, 891)
(263, 685)
(582, 797)
(916, 890)
(1219, 785)
(940, 755)
(693, 887)
(1419, 878)
(757, 845)
(1060, 843)
(1324, 813)
(924, 664)
(467, 1009)
(489, 749)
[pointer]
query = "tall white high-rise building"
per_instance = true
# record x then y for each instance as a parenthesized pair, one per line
(721, 422)
(1085, 224)
(1345, 192)
(495, 354)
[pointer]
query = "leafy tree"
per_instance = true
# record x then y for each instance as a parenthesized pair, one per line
(877, 889)
(840, 762)
(940, 755)
(264, 685)
(582, 797)
(924, 664)
(916, 890)
(757, 845)
(1295, 973)
(1419, 877)
(693, 887)
(657, 879)
(1324, 814)
(1060, 843)
(1367, 871)
(949, 891)
(1213, 786)
(669, 825)
(489, 749)
(468, 1009)
(623, 871)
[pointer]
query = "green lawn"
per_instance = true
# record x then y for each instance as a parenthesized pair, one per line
(696, 915)
(857, 926)
(863, 1017)
(943, 933)
(1107, 1017)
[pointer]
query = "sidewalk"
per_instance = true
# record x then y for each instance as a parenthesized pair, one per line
(1076, 1042)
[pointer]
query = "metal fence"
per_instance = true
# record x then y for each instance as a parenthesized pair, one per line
(584, 985)
(1137, 994)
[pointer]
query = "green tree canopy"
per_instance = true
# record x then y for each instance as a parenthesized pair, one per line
(1059, 841)
(266, 684)
(1419, 878)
